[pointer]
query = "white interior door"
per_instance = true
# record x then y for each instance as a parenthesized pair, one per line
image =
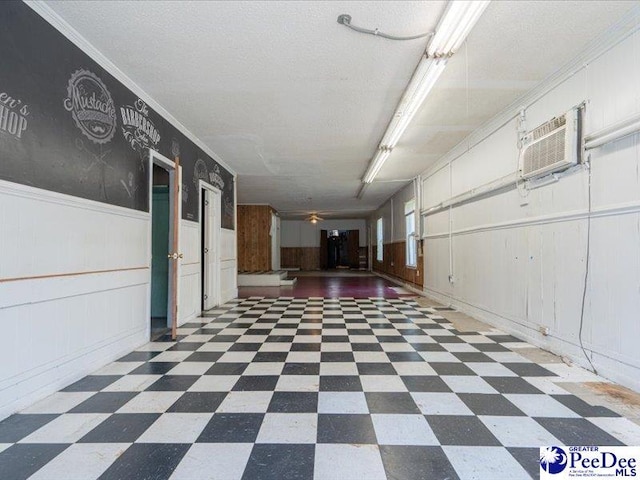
(211, 250)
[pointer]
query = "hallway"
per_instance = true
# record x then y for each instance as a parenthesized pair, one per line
(283, 388)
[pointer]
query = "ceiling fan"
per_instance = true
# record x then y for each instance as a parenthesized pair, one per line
(314, 218)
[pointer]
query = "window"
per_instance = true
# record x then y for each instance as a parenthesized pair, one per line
(410, 228)
(380, 233)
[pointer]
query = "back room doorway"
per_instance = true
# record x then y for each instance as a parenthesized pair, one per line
(210, 243)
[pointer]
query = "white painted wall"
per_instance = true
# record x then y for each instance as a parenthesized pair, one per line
(521, 267)
(74, 287)
(392, 213)
(299, 233)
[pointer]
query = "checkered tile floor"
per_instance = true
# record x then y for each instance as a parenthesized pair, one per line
(309, 388)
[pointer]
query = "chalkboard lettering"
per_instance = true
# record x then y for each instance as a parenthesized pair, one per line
(215, 179)
(200, 172)
(13, 115)
(137, 128)
(91, 106)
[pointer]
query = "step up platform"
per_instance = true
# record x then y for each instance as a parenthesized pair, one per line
(265, 279)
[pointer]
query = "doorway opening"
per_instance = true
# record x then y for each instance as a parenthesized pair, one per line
(339, 249)
(160, 243)
(210, 246)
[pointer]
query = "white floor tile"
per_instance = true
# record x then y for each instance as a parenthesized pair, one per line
(215, 347)
(370, 357)
(288, 428)
(176, 428)
(190, 368)
(338, 368)
(413, 368)
(155, 347)
(264, 368)
(623, 429)
(173, 356)
(334, 462)
(81, 461)
(519, 431)
(132, 383)
(403, 430)
(298, 383)
(237, 357)
(482, 463)
(275, 347)
(245, 402)
(397, 347)
(118, 368)
(440, 404)
(467, 384)
(150, 402)
(67, 428)
(382, 383)
(437, 357)
(490, 369)
(213, 461)
(303, 357)
(342, 402)
(59, 402)
(540, 405)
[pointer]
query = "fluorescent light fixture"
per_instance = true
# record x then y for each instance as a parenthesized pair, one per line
(378, 161)
(423, 80)
(456, 23)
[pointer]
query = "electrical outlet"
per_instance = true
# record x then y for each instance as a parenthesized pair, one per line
(544, 330)
(451, 279)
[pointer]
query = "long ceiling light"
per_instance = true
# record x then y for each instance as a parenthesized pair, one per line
(456, 23)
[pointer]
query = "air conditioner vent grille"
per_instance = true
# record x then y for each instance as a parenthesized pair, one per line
(549, 127)
(545, 153)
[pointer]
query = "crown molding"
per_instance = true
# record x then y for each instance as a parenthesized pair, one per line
(57, 22)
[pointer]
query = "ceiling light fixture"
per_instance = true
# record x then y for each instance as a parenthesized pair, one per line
(456, 23)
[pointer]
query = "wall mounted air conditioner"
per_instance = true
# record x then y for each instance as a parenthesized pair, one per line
(551, 147)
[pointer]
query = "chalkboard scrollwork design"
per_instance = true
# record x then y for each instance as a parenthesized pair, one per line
(200, 172)
(137, 127)
(91, 106)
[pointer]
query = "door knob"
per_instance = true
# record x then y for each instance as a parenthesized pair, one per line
(175, 256)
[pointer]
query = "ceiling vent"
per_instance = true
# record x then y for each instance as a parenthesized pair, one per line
(551, 147)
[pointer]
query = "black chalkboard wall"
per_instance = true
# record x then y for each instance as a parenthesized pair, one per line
(68, 126)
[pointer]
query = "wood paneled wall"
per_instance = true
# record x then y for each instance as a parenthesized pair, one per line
(304, 258)
(254, 241)
(394, 264)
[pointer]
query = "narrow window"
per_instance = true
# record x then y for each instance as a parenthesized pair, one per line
(380, 233)
(410, 228)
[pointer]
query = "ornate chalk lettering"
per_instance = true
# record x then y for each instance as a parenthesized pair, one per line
(13, 115)
(91, 106)
(137, 128)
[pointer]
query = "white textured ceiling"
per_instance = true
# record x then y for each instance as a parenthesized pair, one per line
(297, 103)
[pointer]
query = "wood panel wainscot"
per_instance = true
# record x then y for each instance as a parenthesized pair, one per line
(304, 258)
(254, 239)
(394, 263)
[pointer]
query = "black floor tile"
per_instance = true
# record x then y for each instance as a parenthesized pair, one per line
(504, 338)
(582, 408)
(301, 369)
(280, 462)
(16, 427)
(22, 460)
(490, 404)
(224, 338)
(526, 369)
(335, 338)
(227, 369)
(391, 402)
(120, 428)
(204, 357)
(489, 347)
(277, 357)
(336, 357)
(402, 462)
(252, 383)
(305, 347)
(472, 357)
(245, 347)
(294, 402)
(529, 458)
(376, 369)
(425, 383)
(185, 347)
(345, 428)
(428, 347)
(366, 347)
(198, 402)
(138, 356)
(154, 368)
(511, 385)
(451, 368)
(461, 430)
(279, 339)
(103, 402)
(173, 383)
(404, 357)
(340, 383)
(92, 383)
(577, 431)
(155, 461)
(447, 339)
(232, 428)
(391, 339)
